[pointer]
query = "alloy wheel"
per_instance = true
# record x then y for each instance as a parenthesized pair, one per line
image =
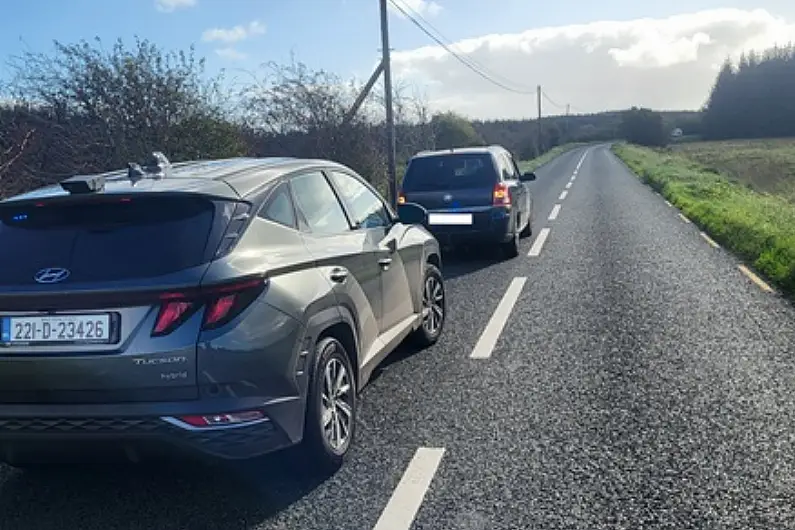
(336, 405)
(433, 305)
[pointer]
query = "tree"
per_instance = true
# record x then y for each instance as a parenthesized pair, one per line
(102, 109)
(643, 127)
(452, 130)
(754, 98)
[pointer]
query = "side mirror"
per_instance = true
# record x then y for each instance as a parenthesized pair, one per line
(528, 176)
(412, 214)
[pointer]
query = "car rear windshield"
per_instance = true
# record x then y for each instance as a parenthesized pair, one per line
(104, 241)
(453, 171)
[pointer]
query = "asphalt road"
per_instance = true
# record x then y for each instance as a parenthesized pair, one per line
(631, 377)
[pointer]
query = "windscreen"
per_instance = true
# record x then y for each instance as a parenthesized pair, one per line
(104, 241)
(455, 171)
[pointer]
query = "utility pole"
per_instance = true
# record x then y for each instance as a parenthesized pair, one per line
(538, 132)
(385, 67)
(566, 121)
(390, 118)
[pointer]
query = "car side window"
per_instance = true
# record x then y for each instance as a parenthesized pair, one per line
(319, 204)
(510, 168)
(367, 208)
(515, 166)
(279, 207)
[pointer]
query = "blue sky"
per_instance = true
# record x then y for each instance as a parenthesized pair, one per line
(342, 36)
(338, 35)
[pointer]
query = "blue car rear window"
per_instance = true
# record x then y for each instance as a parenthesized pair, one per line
(450, 172)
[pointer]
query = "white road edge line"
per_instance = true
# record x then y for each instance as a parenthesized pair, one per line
(685, 219)
(563, 195)
(555, 211)
(407, 498)
(538, 244)
(488, 339)
(756, 279)
(568, 185)
(709, 240)
(669, 204)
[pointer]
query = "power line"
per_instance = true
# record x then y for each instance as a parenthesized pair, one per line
(552, 101)
(473, 65)
(470, 60)
(456, 55)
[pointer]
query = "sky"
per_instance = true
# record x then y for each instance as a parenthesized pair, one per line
(590, 55)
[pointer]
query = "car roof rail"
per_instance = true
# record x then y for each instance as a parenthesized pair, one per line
(82, 184)
(156, 167)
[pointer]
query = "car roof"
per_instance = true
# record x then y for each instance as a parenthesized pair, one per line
(229, 177)
(483, 149)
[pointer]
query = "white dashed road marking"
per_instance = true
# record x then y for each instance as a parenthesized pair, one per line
(582, 159)
(563, 195)
(410, 492)
(538, 244)
(669, 204)
(488, 339)
(568, 185)
(685, 219)
(555, 211)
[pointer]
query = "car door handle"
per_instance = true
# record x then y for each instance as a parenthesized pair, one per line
(338, 275)
(385, 262)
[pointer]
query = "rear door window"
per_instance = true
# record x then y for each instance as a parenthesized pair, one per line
(455, 171)
(509, 169)
(105, 241)
(319, 204)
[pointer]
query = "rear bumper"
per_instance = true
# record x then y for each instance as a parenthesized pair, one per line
(139, 437)
(488, 226)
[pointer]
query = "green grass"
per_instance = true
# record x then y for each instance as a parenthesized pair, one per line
(766, 166)
(758, 227)
(535, 163)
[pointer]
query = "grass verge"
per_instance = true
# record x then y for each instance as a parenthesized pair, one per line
(758, 227)
(537, 162)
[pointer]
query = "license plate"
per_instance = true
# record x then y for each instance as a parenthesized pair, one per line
(450, 218)
(56, 329)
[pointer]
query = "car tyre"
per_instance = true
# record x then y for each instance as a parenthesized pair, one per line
(527, 231)
(511, 248)
(434, 308)
(330, 422)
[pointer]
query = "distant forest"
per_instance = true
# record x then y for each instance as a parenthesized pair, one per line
(86, 108)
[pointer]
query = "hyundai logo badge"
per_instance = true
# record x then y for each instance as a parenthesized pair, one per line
(51, 275)
(447, 197)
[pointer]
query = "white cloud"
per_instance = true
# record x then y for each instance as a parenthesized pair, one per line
(230, 53)
(666, 63)
(167, 6)
(426, 8)
(234, 34)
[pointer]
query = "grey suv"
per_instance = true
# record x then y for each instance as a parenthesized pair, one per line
(222, 308)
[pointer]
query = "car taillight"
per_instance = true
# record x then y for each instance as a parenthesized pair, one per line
(502, 195)
(401, 198)
(222, 303)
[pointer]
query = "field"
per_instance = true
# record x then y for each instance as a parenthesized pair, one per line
(766, 166)
(740, 193)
